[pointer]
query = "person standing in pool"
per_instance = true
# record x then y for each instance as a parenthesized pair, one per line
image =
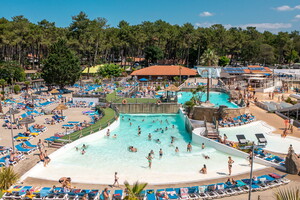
(230, 162)
(108, 133)
(189, 147)
(160, 153)
(149, 136)
(139, 132)
(202, 146)
(176, 150)
(149, 158)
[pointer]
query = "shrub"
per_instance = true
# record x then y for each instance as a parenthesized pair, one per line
(17, 89)
(158, 88)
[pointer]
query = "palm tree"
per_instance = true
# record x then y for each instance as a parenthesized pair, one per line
(209, 58)
(134, 191)
(2, 83)
(287, 194)
(27, 83)
(8, 177)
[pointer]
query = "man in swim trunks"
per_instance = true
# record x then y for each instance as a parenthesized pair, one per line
(160, 153)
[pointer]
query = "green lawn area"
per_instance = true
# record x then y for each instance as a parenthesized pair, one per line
(103, 122)
(112, 96)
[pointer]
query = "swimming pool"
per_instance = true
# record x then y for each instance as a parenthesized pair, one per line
(217, 98)
(275, 142)
(104, 156)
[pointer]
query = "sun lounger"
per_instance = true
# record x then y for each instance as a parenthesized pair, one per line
(280, 178)
(150, 195)
(94, 194)
(183, 193)
(202, 192)
(21, 149)
(211, 191)
(117, 195)
(42, 193)
(254, 187)
(172, 193)
(29, 144)
(241, 139)
(193, 192)
(261, 138)
(220, 190)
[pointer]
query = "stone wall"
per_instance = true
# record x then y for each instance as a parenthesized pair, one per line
(132, 108)
(201, 113)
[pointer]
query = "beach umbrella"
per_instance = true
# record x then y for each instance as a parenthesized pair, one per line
(171, 88)
(61, 107)
(12, 112)
(54, 91)
(26, 121)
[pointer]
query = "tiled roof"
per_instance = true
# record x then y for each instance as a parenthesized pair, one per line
(165, 70)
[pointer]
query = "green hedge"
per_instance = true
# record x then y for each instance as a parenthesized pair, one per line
(108, 118)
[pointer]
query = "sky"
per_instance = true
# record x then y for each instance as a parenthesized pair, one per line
(271, 15)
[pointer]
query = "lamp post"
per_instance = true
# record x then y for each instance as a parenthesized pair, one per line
(251, 171)
(11, 129)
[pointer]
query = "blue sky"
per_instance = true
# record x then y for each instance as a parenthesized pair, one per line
(272, 15)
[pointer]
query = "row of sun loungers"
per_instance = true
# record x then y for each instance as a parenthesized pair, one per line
(269, 157)
(211, 191)
(239, 120)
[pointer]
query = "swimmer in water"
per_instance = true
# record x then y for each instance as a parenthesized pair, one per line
(130, 124)
(206, 156)
(139, 132)
(173, 126)
(108, 133)
(149, 136)
(166, 128)
(76, 148)
(157, 141)
(115, 136)
(122, 117)
(82, 152)
(143, 120)
(83, 146)
(162, 131)
(152, 152)
(176, 150)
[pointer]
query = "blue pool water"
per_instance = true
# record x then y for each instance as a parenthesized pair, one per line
(106, 155)
(217, 98)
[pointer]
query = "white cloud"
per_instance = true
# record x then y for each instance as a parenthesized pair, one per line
(297, 17)
(266, 26)
(259, 26)
(206, 14)
(287, 8)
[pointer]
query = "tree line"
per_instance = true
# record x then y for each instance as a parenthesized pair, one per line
(94, 42)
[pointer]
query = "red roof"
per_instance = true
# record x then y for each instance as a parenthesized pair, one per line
(165, 70)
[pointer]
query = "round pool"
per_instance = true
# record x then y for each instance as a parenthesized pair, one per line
(106, 155)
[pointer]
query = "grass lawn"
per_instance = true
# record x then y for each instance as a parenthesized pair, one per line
(109, 115)
(112, 96)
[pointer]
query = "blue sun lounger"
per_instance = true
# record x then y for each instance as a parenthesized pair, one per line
(42, 193)
(29, 144)
(150, 195)
(21, 149)
(117, 195)
(172, 193)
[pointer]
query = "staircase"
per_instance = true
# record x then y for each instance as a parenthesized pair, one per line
(211, 131)
(56, 144)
